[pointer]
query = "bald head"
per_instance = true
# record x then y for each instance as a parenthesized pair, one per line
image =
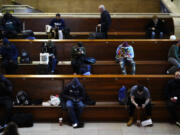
(177, 75)
(101, 8)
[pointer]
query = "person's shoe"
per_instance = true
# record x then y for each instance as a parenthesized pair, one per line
(138, 123)
(1, 128)
(130, 122)
(79, 125)
(178, 123)
(74, 125)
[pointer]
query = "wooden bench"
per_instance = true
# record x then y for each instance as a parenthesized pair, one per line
(100, 67)
(102, 50)
(102, 111)
(123, 27)
(102, 88)
(85, 35)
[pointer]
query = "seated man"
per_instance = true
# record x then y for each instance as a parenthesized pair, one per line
(9, 55)
(5, 100)
(174, 58)
(58, 25)
(155, 28)
(172, 93)
(140, 99)
(73, 97)
(125, 55)
(78, 58)
(50, 48)
(11, 26)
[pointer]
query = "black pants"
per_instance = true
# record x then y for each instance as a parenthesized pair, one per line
(6, 105)
(132, 107)
(172, 109)
(105, 31)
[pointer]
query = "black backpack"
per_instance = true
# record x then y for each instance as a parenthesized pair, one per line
(22, 98)
(24, 57)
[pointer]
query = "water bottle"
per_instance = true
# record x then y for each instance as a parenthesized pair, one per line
(60, 121)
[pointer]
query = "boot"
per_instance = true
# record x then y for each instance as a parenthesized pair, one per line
(130, 122)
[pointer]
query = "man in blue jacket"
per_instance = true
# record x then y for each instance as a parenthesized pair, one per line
(9, 55)
(57, 24)
(105, 20)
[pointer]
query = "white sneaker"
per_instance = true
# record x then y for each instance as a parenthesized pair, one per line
(74, 125)
(178, 123)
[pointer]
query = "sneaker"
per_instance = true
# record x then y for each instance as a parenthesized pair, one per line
(74, 125)
(178, 123)
(130, 122)
(79, 125)
(1, 128)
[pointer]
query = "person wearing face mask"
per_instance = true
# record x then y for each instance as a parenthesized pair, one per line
(155, 28)
(172, 94)
(9, 55)
(10, 26)
(140, 99)
(73, 97)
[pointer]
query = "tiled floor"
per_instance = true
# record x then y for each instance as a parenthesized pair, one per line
(100, 129)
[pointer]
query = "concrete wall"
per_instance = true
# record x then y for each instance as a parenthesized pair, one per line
(4, 2)
(90, 6)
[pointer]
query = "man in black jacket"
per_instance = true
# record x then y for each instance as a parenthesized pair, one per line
(172, 93)
(73, 97)
(155, 28)
(105, 20)
(10, 25)
(5, 100)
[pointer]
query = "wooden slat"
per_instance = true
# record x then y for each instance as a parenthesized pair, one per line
(92, 40)
(89, 76)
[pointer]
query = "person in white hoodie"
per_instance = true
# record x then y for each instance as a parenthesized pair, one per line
(124, 56)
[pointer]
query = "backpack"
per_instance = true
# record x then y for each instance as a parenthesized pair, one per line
(22, 98)
(123, 95)
(24, 57)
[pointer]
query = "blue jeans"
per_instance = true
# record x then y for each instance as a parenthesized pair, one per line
(124, 61)
(52, 64)
(153, 34)
(74, 110)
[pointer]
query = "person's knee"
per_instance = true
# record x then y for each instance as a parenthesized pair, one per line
(69, 104)
(81, 105)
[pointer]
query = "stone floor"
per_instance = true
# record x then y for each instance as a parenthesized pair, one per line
(100, 129)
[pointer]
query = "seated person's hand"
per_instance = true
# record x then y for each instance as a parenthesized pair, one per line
(99, 25)
(143, 106)
(137, 107)
(174, 99)
(153, 28)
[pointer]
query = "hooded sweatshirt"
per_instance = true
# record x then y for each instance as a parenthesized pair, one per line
(74, 90)
(124, 52)
(174, 52)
